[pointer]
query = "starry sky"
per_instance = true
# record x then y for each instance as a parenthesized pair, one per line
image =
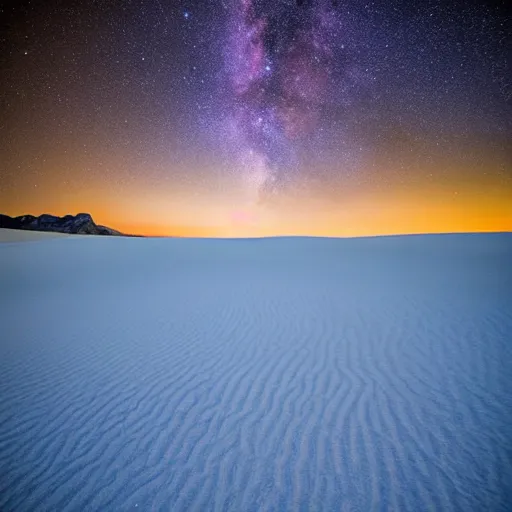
(237, 118)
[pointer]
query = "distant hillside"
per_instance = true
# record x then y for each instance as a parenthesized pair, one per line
(81, 224)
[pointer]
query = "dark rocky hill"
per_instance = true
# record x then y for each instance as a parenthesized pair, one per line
(80, 224)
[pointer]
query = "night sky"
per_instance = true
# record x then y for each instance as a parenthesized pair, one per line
(258, 117)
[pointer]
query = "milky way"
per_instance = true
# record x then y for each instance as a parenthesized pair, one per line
(244, 117)
(280, 61)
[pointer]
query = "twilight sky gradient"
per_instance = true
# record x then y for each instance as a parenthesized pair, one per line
(259, 117)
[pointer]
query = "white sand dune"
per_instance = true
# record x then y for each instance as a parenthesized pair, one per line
(246, 375)
(25, 235)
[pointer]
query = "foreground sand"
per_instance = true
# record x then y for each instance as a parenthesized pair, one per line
(274, 374)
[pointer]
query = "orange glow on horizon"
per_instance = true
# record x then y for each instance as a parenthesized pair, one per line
(362, 212)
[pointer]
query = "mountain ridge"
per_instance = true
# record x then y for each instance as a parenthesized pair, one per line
(79, 224)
